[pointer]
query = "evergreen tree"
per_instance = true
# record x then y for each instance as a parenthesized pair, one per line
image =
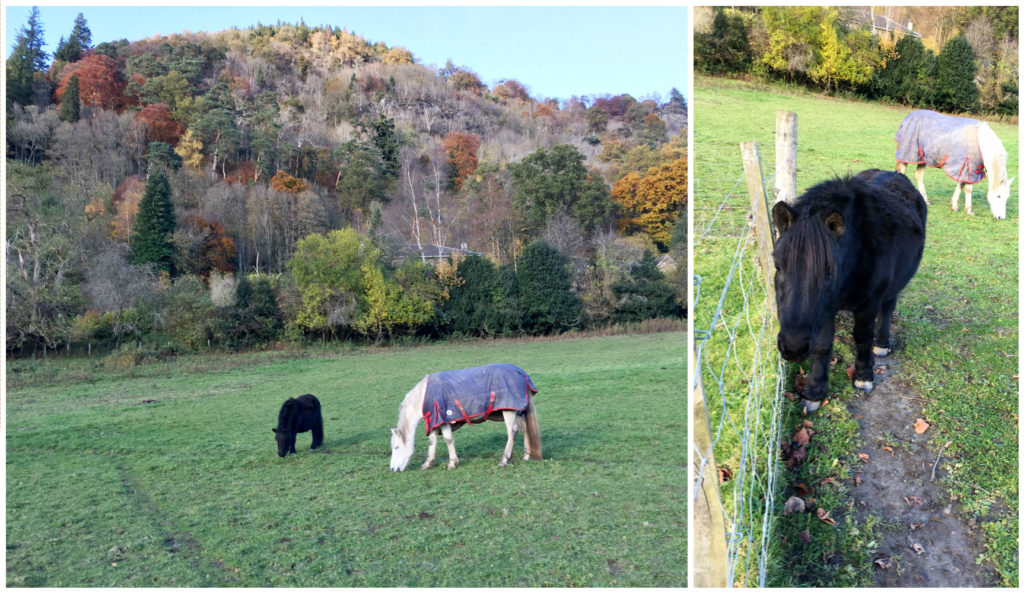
(71, 50)
(909, 77)
(160, 155)
(645, 294)
(26, 59)
(955, 90)
(386, 140)
(70, 106)
(548, 302)
(549, 183)
(154, 224)
(725, 49)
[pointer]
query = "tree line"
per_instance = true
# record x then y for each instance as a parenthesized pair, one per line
(287, 182)
(964, 60)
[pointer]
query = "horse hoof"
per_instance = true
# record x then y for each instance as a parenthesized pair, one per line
(503, 464)
(811, 406)
(865, 386)
(426, 466)
(452, 465)
(880, 352)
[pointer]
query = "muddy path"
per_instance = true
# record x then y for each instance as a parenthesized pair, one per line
(925, 540)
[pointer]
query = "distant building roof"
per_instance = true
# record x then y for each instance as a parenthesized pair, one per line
(432, 251)
(666, 263)
(880, 22)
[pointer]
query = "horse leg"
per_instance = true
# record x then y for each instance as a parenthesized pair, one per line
(511, 428)
(967, 197)
(318, 433)
(863, 332)
(901, 168)
(919, 176)
(431, 450)
(816, 387)
(881, 347)
(446, 432)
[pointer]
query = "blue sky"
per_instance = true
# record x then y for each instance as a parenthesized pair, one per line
(556, 52)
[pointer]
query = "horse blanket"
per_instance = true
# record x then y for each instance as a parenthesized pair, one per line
(470, 395)
(937, 140)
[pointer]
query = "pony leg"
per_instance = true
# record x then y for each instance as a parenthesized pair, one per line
(816, 387)
(881, 347)
(919, 176)
(955, 204)
(511, 428)
(901, 168)
(864, 368)
(453, 459)
(431, 450)
(967, 198)
(318, 433)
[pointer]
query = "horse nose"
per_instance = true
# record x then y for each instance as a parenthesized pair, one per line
(793, 350)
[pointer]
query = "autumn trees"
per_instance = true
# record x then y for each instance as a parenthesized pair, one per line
(289, 182)
(835, 50)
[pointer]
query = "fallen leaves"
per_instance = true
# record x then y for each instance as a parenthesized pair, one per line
(913, 500)
(918, 548)
(916, 526)
(849, 371)
(823, 516)
(920, 426)
(864, 457)
(884, 563)
(858, 480)
(724, 474)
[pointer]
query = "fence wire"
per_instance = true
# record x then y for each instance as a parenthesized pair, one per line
(739, 366)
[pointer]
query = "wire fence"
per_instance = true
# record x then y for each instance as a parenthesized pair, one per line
(739, 373)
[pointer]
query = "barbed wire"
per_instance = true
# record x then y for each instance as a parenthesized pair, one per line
(736, 355)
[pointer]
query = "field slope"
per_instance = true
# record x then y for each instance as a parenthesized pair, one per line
(172, 479)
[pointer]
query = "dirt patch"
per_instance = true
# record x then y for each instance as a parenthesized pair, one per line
(925, 542)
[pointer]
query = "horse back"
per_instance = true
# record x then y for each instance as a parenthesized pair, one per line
(299, 414)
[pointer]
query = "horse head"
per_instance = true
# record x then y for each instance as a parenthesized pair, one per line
(282, 441)
(999, 195)
(401, 450)
(806, 275)
(995, 165)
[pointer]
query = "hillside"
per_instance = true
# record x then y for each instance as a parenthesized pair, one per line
(271, 134)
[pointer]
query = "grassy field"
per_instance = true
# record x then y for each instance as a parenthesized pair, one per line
(957, 320)
(167, 475)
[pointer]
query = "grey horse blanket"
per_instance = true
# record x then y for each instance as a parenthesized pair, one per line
(945, 141)
(470, 395)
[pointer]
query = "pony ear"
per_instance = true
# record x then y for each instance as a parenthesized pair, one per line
(395, 432)
(835, 223)
(274, 429)
(783, 217)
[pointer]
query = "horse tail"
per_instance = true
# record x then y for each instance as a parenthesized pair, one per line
(531, 435)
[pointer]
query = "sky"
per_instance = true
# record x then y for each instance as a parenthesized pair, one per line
(555, 52)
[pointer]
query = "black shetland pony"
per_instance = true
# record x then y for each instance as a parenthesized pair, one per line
(847, 244)
(298, 415)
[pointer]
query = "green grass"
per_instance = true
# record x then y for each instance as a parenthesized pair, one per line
(957, 319)
(168, 475)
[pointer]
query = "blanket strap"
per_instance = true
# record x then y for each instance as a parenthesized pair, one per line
(465, 417)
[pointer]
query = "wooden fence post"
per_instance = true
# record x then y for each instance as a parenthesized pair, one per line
(761, 221)
(785, 156)
(710, 554)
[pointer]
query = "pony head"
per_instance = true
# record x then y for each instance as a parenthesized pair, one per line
(806, 275)
(995, 165)
(401, 450)
(282, 441)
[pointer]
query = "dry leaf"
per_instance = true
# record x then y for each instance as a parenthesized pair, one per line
(724, 474)
(803, 436)
(790, 396)
(884, 563)
(794, 504)
(803, 490)
(864, 457)
(889, 449)
(823, 515)
(828, 481)
(918, 548)
(857, 479)
(881, 369)
(916, 526)
(808, 424)
(913, 500)
(849, 372)
(920, 426)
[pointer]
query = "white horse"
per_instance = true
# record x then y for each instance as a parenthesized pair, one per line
(977, 144)
(411, 411)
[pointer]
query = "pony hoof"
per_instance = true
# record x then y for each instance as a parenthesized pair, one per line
(880, 352)
(865, 386)
(503, 464)
(811, 406)
(427, 466)
(452, 465)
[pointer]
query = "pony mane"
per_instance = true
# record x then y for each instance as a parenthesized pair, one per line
(992, 153)
(808, 246)
(409, 413)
